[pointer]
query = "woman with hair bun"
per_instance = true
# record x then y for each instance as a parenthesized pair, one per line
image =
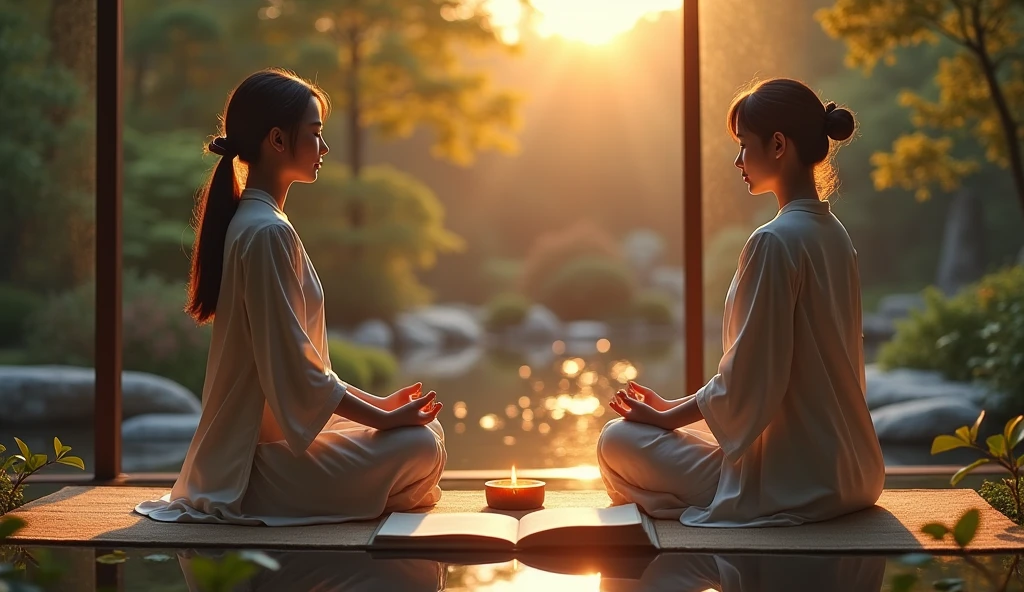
(781, 435)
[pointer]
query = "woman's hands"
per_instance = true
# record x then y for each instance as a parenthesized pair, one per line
(642, 405)
(405, 407)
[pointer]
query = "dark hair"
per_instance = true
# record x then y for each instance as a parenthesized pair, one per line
(265, 100)
(794, 110)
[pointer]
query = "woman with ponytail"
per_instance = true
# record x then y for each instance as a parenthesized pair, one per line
(782, 434)
(282, 440)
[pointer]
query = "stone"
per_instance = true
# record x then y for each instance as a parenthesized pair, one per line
(898, 306)
(458, 326)
(375, 333)
(922, 419)
(172, 427)
(412, 333)
(589, 331)
(540, 324)
(431, 363)
(962, 255)
(906, 384)
(64, 395)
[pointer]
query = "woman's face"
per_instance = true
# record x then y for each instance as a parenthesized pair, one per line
(309, 149)
(757, 161)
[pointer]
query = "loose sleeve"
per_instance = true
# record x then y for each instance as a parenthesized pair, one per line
(300, 389)
(740, 401)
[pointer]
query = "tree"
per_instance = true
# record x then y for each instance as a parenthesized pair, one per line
(392, 65)
(980, 86)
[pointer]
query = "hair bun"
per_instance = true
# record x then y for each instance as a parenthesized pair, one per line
(222, 147)
(839, 122)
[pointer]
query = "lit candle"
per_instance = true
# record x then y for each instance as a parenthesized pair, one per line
(514, 494)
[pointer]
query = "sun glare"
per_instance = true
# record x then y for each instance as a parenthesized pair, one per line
(589, 21)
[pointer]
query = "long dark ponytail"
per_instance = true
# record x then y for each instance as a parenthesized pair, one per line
(265, 100)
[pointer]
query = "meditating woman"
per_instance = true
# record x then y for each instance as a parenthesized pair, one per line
(282, 440)
(788, 438)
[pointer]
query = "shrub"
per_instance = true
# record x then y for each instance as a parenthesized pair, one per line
(362, 366)
(652, 307)
(589, 288)
(977, 334)
(553, 251)
(506, 310)
(158, 337)
(999, 496)
(16, 305)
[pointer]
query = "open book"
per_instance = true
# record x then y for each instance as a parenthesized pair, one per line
(568, 528)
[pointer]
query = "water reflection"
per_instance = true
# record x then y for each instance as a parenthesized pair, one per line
(358, 571)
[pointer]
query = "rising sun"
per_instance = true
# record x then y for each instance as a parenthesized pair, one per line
(590, 21)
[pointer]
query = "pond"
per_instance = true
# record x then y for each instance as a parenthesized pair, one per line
(169, 570)
(539, 408)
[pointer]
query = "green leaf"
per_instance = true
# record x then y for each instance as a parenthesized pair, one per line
(73, 461)
(916, 559)
(1017, 436)
(3, 449)
(949, 585)
(946, 443)
(261, 559)
(112, 558)
(1010, 430)
(11, 460)
(966, 527)
(964, 433)
(938, 531)
(959, 475)
(977, 426)
(996, 445)
(903, 582)
(1020, 462)
(10, 525)
(24, 448)
(38, 460)
(56, 446)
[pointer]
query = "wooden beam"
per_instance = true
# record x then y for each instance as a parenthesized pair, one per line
(107, 418)
(693, 218)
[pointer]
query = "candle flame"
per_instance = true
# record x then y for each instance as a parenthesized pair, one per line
(513, 475)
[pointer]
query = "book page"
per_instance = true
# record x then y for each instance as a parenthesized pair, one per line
(545, 520)
(405, 525)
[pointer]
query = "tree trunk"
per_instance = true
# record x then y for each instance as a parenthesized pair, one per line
(1006, 120)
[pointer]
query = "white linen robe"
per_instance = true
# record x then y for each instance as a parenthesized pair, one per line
(269, 449)
(791, 438)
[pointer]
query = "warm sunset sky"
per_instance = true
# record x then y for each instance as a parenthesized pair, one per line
(591, 21)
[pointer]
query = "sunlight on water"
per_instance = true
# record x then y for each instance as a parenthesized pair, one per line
(515, 576)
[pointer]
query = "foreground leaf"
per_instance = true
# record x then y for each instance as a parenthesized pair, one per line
(977, 426)
(966, 527)
(959, 475)
(112, 558)
(946, 443)
(10, 525)
(936, 530)
(73, 461)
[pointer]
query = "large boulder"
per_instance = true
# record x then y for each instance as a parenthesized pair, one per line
(427, 364)
(64, 395)
(375, 333)
(540, 324)
(905, 384)
(412, 333)
(899, 306)
(457, 326)
(921, 420)
(160, 427)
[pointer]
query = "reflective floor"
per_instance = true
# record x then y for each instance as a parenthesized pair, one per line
(206, 570)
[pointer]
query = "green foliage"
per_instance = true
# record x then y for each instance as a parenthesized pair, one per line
(977, 334)
(589, 288)
(505, 311)
(17, 467)
(553, 251)
(363, 366)
(1000, 496)
(999, 449)
(16, 306)
(652, 307)
(984, 74)
(162, 172)
(226, 573)
(368, 269)
(158, 336)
